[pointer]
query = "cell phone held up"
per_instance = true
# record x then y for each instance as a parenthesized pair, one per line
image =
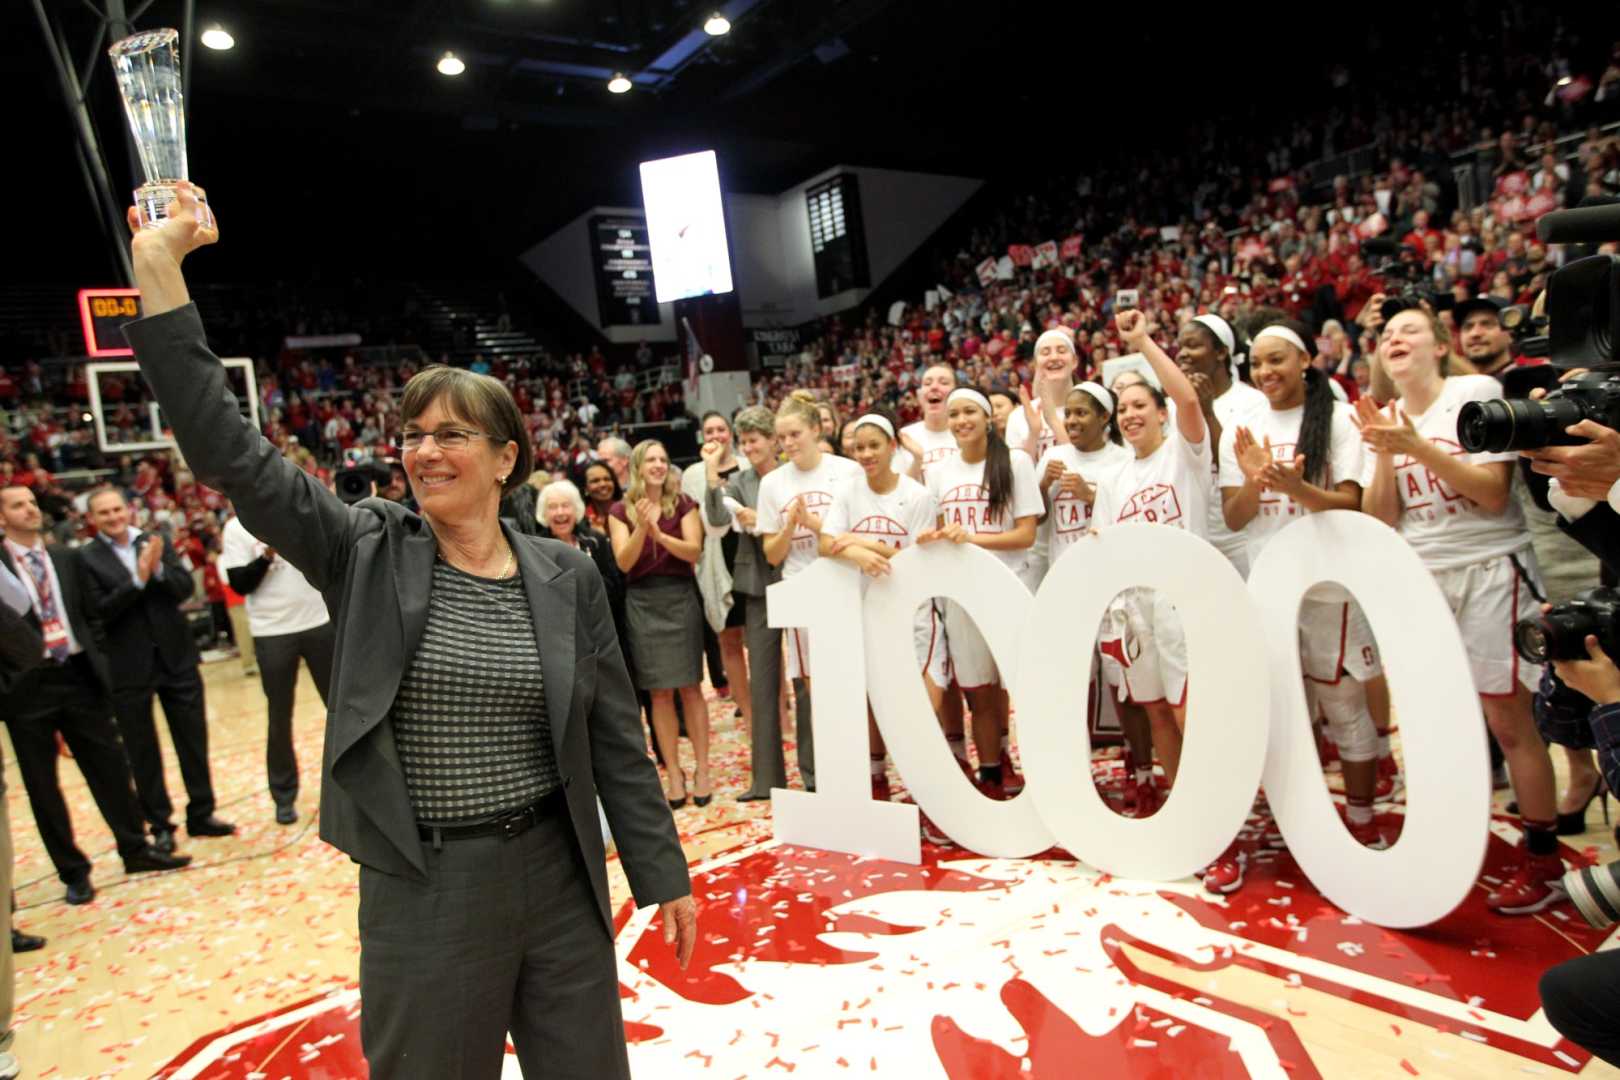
(1126, 300)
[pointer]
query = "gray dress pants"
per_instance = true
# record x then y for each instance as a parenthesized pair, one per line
(764, 642)
(505, 936)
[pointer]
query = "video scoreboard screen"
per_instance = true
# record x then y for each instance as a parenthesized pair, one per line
(622, 259)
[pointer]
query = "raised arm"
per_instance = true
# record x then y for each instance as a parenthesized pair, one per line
(278, 502)
(1133, 327)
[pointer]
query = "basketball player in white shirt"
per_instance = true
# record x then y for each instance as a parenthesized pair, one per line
(1205, 352)
(871, 519)
(1457, 509)
(1301, 455)
(1036, 426)
(1164, 482)
(986, 495)
(792, 499)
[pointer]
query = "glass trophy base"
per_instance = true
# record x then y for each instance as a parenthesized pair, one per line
(153, 202)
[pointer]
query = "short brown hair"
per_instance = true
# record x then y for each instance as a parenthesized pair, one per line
(98, 492)
(479, 400)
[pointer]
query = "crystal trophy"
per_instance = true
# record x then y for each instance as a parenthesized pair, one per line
(147, 66)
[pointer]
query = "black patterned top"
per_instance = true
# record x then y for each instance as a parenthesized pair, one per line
(470, 718)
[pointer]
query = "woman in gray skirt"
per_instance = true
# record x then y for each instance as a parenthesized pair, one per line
(657, 538)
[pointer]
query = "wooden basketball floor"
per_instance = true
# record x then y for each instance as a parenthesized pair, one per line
(811, 964)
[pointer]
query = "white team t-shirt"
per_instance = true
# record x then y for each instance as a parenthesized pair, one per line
(816, 489)
(1446, 528)
(964, 500)
(936, 445)
(1238, 404)
(1170, 486)
(1282, 426)
(284, 602)
(893, 519)
(1070, 517)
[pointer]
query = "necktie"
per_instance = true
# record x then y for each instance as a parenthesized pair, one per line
(47, 601)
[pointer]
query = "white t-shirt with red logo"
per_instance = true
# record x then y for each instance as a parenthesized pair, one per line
(1070, 517)
(893, 519)
(963, 499)
(1447, 528)
(815, 488)
(1170, 486)
(1282, 426)
(1018, 429)
(936, 445)
(1240, 402)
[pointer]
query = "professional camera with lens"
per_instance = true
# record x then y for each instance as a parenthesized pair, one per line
(359, 478)
(1495, 427)
(1560, 632)
(1405, 276)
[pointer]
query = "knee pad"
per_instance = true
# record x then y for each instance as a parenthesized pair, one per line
(1350, 725)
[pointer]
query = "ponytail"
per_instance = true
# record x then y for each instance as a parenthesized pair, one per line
(998, 474)
(1316, 426)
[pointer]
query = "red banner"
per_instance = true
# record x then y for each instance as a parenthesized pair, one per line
(986, 271)
(1071, 248)
(1021, 254)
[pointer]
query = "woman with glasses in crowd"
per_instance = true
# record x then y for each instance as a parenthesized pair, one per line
(657, 539)
(792, 500)
(1458, 511)
(478, 709)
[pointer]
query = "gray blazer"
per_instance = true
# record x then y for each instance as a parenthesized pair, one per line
(373, 565)
(752, 574)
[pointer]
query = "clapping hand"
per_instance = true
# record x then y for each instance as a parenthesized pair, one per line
(1387, 431)
(1284, 477)
(1252, 457)
(150, 557)
(1074, 486)
(647, 514)
(1053, 473)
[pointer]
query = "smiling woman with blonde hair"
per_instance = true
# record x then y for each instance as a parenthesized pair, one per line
(657, 538)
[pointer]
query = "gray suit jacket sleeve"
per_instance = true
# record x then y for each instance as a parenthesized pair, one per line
(626, 780)
(279, 503)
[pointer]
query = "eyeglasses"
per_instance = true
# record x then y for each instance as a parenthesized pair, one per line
(444, 438)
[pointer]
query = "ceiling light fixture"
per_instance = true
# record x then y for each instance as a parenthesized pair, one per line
(217, 37)
(451, 64)
(717, 25)
(618, 84)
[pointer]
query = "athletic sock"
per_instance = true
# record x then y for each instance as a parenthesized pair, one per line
(1541, 837)
(1383, 744)
(1358, 810)
(1004, 747)
(958, 745)
(1144, 774)
(877, 764)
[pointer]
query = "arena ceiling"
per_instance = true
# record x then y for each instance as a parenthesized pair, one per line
(328, 116)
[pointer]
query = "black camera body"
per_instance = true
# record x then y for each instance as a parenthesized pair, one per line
(360, 479)
(1496, 427)
(1560, 632)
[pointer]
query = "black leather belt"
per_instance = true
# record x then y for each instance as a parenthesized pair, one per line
(511, 824)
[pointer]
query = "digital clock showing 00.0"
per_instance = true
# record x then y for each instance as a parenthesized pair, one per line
(103, 313)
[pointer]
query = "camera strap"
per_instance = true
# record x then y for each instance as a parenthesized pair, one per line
(1527, 578)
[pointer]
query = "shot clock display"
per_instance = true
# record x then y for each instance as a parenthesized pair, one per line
(103, 313)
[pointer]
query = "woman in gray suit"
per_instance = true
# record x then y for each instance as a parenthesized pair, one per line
(479, 706)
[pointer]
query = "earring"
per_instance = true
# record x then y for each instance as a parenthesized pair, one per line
(500, 479)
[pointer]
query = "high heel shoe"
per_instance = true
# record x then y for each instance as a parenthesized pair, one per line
(676, 804)
(703, 800)
(1574, 822)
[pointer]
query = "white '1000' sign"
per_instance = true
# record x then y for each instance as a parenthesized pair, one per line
(1247, 719)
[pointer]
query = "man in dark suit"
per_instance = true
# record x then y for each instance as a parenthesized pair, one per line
(136, 586)
(68, 693)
